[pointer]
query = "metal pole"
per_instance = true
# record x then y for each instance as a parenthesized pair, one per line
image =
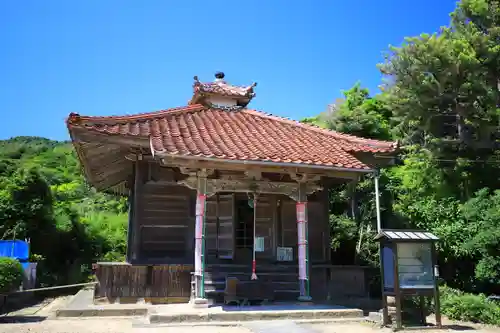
(377, 202)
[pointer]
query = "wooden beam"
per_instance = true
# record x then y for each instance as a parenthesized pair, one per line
(189, 166)
(226, 185)
(200, 164)
(304, 177)
(254, 174)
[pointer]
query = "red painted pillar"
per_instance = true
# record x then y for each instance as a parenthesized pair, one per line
(199, 251)
(303, 250)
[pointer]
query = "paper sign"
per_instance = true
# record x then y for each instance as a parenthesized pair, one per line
(259, 244)
(284, 254)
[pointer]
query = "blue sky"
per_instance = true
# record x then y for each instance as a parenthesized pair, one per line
(105, 57)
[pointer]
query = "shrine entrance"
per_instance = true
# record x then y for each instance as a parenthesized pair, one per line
(244, 224)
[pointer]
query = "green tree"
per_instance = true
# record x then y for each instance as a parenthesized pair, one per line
(359, 114)
(44, 198)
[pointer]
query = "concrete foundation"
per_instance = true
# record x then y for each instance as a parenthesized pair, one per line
(82, 305)
(175, 314)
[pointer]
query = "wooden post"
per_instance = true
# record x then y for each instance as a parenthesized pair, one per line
(303, 245)
(136, 231)
(131, 200)
(199, 252)
(437, 301)
(385, 310)
(397, 290)
(327, 253)
(422, 310)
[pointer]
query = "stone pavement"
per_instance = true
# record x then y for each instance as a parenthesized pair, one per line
(281, 326)
(43, 320)
(128, 325)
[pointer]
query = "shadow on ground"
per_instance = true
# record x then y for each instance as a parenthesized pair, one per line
(456, 327)
(21, 319)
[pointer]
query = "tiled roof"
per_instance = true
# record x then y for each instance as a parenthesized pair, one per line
(246, 135)
(403, 235)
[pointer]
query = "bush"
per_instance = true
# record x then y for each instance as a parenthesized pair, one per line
(469, 307)
(11, 275)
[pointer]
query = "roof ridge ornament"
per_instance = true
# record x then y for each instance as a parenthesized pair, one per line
(220, 94)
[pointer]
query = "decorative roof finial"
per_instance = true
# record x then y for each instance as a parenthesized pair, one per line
(219, 75)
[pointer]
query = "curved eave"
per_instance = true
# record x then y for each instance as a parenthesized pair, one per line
(102, 157)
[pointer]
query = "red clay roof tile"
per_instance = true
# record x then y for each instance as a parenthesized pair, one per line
(245, 135)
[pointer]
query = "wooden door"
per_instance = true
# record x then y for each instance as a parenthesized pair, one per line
(288, 226)
(219, 232)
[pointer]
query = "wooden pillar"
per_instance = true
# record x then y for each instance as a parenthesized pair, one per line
(326, 229)
(199, 252)
(130, 225)
(397, 289)
(135, 238)
(302, 241)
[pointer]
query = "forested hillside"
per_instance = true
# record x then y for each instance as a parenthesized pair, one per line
(440, 99)
(44, 198)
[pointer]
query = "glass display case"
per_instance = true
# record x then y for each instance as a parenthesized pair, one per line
(415, 266)
(408, 268)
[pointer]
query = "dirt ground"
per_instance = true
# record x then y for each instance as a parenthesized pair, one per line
(40, 318)
(119, 325)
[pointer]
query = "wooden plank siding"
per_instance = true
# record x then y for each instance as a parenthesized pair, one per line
(155, 284)
(165, 222)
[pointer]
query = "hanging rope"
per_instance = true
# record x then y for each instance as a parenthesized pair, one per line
(254, 264)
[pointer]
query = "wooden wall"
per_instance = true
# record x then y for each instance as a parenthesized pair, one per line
(266, 225)
(317, 223)
(155, 284)
(163, 222)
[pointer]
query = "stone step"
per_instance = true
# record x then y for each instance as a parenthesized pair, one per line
(278, 287)
(245, 276)
(247, 268)
(257, 313)
(145, 324)
(287, 294)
